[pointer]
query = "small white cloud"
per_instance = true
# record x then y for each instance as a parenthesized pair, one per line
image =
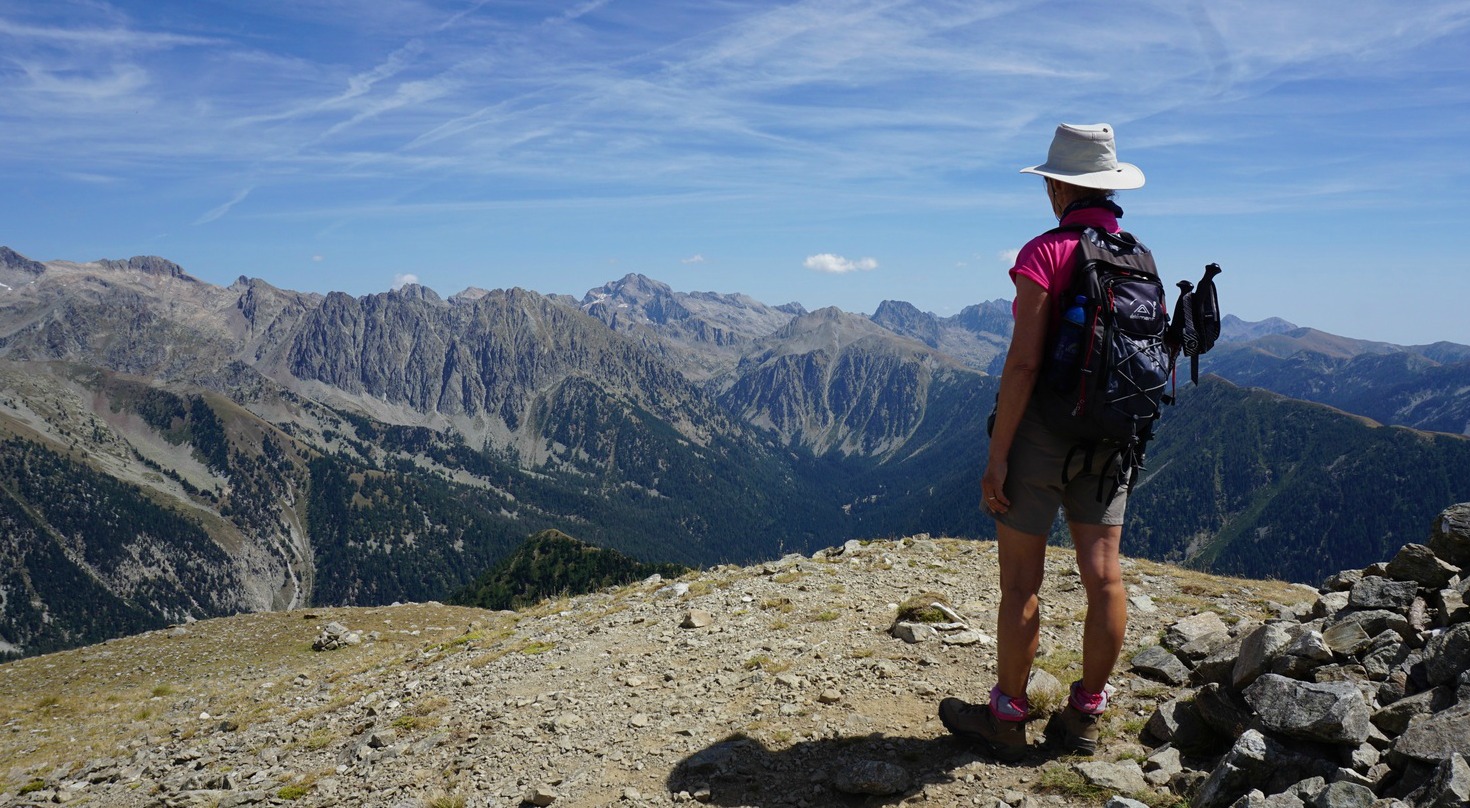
(318, 258)
(404, 279)
(837, 265)
(1008, 257)
(693, 259)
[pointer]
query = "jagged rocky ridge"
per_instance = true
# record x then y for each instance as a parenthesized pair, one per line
(390, 446)
(780, 684)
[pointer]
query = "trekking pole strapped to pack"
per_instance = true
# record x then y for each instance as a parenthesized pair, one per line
(1196, 323)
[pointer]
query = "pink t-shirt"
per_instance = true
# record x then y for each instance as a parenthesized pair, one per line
(1049, 258)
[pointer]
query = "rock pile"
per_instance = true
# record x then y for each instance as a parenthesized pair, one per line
(334, 635)
(1362, 700)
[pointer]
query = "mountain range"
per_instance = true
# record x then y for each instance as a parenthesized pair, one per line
(171, 449)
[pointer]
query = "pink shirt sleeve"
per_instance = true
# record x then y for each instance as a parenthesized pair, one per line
(1047, 260)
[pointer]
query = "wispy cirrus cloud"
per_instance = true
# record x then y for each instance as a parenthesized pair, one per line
(219, 212)
(92, 37)
(793, 119)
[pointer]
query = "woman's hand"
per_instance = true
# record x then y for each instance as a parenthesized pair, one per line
(993, 485)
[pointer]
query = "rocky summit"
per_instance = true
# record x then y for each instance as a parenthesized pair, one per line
(808, 681)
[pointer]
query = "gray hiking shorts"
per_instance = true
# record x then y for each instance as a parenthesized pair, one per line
(1034, 482)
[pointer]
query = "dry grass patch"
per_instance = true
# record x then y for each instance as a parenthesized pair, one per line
(445, 800)
(320, 739)
(98, 698)
(766, 663)
(698, 588)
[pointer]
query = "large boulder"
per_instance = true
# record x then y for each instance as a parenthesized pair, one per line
(1394, 718)
(1450, 539)
(1376, 592)
(1256, 762)
(1176, 722)
(1418, 564)
(1331, 712)
(1447, 654)
(1449, 787)
(1192, 628)
(1257, 651)
(1437, 737)
(1156, 662)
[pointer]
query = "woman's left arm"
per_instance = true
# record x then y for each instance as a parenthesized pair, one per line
(1017, 380)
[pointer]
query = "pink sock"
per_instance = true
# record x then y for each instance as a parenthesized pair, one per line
(1006, 708)
(1087, 702)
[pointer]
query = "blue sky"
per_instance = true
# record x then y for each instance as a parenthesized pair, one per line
(832, 153)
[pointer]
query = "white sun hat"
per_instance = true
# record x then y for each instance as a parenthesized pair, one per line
(1084, 154)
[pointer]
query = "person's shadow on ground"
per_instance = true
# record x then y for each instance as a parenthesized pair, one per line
(870, 770)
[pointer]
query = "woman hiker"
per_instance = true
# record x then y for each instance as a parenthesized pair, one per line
(1022, 486)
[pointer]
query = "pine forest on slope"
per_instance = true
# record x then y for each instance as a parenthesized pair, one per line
(173, 449)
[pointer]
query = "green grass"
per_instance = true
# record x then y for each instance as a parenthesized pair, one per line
(293, 792)
(320, 739)
(1061, 779)
(920, 609)
(1063, 663)
(408, 722)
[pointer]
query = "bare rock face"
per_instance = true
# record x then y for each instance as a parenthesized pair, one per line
(16, 266)
(837, 382)
(514, 357)
(703, 334)
(149, 265)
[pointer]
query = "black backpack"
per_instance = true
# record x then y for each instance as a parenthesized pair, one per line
(1108, 365)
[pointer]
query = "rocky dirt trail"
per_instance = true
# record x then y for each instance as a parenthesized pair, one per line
(775, 685)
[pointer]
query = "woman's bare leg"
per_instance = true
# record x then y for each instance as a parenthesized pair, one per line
(1107, 601)
(1018, 627)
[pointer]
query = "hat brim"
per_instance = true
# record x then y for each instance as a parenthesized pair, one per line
(1123, 178)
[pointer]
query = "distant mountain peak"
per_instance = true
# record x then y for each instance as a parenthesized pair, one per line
(149, 265)
(1234, 329)
(10, 259)
(469, 295)
(414, 291)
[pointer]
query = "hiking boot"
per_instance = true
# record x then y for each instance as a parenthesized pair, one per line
(1074, 731)
(1005, 740)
